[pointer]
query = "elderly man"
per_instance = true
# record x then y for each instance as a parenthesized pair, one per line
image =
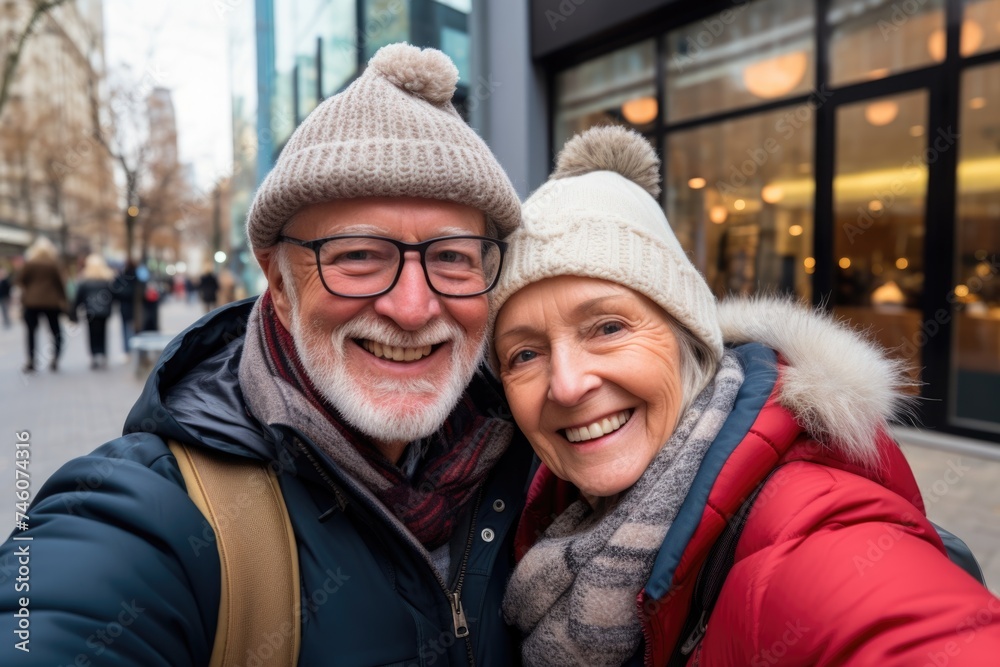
(356, 380)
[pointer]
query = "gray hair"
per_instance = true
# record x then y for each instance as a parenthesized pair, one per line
(698, 365)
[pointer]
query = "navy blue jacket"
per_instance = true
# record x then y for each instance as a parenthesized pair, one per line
(123, 568)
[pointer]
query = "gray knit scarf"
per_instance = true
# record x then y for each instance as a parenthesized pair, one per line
(573, 595)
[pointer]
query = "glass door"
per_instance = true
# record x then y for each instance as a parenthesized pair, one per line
(881, 162)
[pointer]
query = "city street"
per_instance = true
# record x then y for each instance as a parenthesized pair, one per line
(71, 412)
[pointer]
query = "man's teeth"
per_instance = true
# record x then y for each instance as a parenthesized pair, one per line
(597, 429)
(396, 353)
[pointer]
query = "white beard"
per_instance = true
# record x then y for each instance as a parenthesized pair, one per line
(387, 409)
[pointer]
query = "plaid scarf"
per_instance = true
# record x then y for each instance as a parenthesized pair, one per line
(458, 457)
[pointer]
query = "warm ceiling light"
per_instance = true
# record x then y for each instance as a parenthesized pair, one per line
(795, 230)
(917, 131)
(810, 262)
(977, 103)
(718, 214)
(961, 290)
(875, 206)
(902, 263)
(844, 263)
(777, 76)
(641, 110)
(881, 113)
(772, 194)
(972, 39)
(697, 183)
(888, 294)
(739, 204)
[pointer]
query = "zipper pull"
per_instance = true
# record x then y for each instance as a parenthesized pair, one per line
(458, 616)
(696, 635)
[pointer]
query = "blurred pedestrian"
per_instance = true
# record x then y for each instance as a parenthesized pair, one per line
(124, 289)
(227, 286)
(43, 294)
(93, 293)
(208, 287)
(5, 288)
(150, 299)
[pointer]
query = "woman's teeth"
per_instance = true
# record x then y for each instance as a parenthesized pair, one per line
(597, 429)
(396, 353)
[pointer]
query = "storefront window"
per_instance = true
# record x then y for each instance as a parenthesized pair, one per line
(338, 30)
(282, 87)
(976, 293)
(305, 68)
(740, 199)
(883, 149)
(615, 89)
(980, 27)
(872, 39)
(464, 6)
(455, 43)
(748, 54)
(386, 22)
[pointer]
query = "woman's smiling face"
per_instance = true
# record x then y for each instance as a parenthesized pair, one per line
(592, 373)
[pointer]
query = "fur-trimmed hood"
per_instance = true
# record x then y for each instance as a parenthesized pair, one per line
(842, 388)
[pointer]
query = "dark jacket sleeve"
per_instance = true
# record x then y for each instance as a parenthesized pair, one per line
(121, 568)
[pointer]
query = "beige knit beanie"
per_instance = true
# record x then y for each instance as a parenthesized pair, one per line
(598, 217)
(391, 133)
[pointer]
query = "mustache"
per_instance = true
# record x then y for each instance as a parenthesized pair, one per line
(370, 327)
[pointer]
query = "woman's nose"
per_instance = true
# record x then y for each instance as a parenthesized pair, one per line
(571, 378)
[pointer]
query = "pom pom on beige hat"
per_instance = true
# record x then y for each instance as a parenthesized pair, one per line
(391, 133)
(598, 217)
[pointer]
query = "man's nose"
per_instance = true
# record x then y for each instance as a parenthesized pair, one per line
(410, 304)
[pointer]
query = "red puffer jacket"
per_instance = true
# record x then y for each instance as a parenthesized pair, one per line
(837, 563)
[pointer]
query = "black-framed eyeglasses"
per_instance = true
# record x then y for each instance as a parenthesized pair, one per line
(360, 266)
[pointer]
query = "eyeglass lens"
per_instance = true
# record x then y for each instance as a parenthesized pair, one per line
(455, 266)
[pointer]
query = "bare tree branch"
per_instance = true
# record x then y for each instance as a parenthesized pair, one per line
(14, 57)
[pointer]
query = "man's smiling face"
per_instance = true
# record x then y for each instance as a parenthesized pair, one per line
(393, 365)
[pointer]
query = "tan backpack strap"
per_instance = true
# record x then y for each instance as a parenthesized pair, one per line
(260, 604)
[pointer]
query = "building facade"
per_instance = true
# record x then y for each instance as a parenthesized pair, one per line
(54, 179)
(843, 152)
(289, 55)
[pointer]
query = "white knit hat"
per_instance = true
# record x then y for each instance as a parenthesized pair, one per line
(598, 217)
(391, 133)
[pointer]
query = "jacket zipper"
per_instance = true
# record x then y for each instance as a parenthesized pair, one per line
(460, 624)
(646, 623)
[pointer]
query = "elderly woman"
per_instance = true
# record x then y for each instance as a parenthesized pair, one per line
(656, 412)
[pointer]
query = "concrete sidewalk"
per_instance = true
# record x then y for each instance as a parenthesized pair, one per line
(72, 412)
